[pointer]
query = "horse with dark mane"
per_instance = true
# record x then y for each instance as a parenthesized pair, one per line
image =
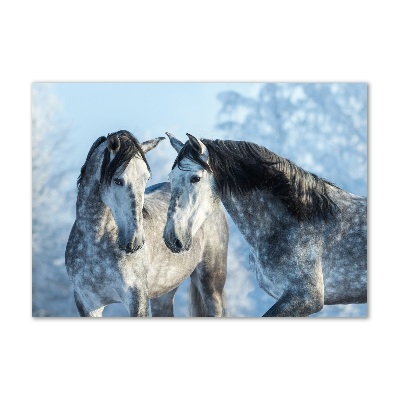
(116, 253)
(307, 237)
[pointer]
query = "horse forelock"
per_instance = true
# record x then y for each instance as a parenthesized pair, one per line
(240, 167)
(129, 147)
(188, 152)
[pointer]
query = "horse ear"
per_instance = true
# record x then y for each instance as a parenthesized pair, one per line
(196, 144)
(175, 143)
(150, 144)
(113, 144)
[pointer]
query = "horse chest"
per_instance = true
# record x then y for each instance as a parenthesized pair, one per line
(95, 264)
(269, 239)
(269, 278)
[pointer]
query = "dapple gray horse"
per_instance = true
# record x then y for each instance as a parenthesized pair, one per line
(307, 237)
(116, 253)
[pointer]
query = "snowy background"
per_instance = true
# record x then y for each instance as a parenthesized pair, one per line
(320, 126)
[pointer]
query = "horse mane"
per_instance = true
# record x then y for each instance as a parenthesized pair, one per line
(96, 144)
(129, 147)
(240, 167)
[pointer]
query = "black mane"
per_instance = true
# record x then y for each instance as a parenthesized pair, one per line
(96, 144)
(239, 167)
(129, 146)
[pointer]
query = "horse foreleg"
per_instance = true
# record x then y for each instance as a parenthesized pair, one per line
(137, 302)
(163, 306)
(297, 304)
(206, 292)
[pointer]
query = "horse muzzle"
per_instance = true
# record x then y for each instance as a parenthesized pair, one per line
(177, 245)
(132, 247)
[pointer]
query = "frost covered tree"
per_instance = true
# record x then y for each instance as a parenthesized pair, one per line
(51, 214)
(320, 126)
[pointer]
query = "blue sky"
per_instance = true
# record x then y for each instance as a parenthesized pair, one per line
(95, 109)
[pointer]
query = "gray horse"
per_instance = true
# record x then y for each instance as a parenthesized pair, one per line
(307, 237)
(116, 253)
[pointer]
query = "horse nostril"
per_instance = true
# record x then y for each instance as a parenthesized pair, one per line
(188, 244)
(178, 244)
(139, 246)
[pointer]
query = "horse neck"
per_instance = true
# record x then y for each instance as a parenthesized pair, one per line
(155, 216)
(254, 213)
(90, 208)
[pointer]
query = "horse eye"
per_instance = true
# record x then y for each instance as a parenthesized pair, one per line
(118, 181)
(194, 179)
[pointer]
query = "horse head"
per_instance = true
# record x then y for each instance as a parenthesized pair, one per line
(124, 175)
(193, 193)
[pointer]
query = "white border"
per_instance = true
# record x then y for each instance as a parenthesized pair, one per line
(181, 41)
